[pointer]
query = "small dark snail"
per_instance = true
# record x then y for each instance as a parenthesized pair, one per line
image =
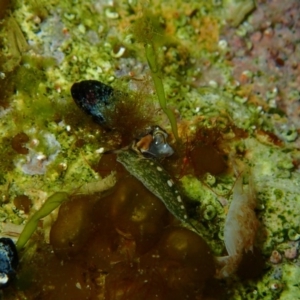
(92, 97)
(153, 143)
(8, 261)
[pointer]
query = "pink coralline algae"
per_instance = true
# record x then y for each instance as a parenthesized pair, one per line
(265, 54)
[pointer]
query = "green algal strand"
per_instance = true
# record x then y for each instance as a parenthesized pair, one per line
(51, 203)
(159, 87)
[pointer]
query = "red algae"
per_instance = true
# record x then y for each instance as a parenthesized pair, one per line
(206, 159)
(19, 141)
(23, 202)
(107, 164)
(205, 150)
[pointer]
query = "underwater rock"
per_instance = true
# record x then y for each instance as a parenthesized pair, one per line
(8, 261)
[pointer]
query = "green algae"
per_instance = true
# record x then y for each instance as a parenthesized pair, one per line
(147, 31)
(50, 204)
(150, 54)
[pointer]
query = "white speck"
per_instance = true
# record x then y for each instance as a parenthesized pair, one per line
(69, 16)
(41, 156)
(236, 83)
(119, 53)
(275, 90)
(2, 75)
(182, 207)
(197, 109)
(100, 28)
(176, 192)
(111, 14)
(3, 278)
(81, 28)
(223, 44)
(68, 128)
(34, 142)
(170, 182)
(272, 103)
(185, 216)
(36, 20)
(178, 198)
(213, 84)
(99, 70)
(274, 286)
(78, 285)
(159, 169)
(63, 166)
(100, 150)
